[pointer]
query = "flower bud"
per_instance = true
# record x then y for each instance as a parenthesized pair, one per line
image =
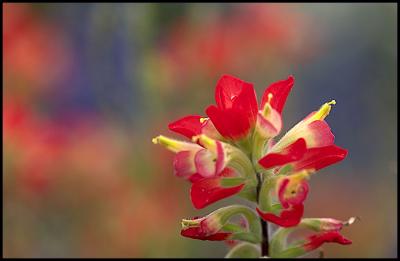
(215, 226)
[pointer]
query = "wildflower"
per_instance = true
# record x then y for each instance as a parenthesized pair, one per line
(292, 191)
(233, 152)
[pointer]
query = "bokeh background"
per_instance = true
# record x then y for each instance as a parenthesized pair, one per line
(86, 87)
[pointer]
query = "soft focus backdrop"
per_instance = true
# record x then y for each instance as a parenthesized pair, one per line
(86, 87)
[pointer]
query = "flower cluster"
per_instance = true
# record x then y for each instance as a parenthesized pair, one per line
(233, 152)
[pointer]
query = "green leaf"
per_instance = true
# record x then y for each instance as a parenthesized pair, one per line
(230, 182)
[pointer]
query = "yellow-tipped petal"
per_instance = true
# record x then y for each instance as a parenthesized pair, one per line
(299, 176)
(186, 223)
(174, 145)
(205, 141)
(270, 95)
(203, 120)
(267, 106)
(323, 111)
(295, 182)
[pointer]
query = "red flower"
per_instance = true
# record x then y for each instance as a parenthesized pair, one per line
(218, 226)
(236, 110)
(241, 148)
(292, 192)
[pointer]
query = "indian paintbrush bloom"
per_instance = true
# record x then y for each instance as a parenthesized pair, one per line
(233, 152)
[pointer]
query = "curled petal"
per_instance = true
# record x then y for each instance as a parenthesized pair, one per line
(293, 152)
(188, 126)
(292, 192)
(287, 218)
(209, 190)
(247, 102)
(318, 158)
(232, 92)
(280, 91)
(317, 240)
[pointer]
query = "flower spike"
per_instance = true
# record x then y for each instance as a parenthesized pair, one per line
(234, 151)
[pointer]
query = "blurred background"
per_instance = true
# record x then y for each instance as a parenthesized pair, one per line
(86, 87)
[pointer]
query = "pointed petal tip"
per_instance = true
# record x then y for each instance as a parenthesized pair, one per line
(155, 140)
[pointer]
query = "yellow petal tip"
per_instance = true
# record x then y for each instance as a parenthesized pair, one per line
(203, 120)
(332, 102)
(155, 140)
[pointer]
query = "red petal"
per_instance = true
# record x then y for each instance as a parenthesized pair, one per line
(205, 163)
(230, 88)
(188, 126)
(209, 130)
(318, 158)
(207, 191)
(281, 191)
(287, 218)
(230, 123)
(220, 164)
(320, 134)
(196, 233)
(195, 177)
(267, 127)
(184, 164)
(247, 102)
(232, 92)
(316, 241)
(291, 153)
(280, 91)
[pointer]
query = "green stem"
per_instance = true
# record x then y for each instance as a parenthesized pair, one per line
(264, 225)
